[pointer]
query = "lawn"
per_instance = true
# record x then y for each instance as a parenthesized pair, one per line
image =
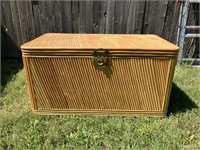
(22, 129)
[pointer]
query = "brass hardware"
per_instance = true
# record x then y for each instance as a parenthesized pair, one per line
(101, 58)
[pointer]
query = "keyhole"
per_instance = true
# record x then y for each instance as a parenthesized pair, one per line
(101, 60)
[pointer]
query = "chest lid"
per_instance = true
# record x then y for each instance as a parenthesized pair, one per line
(87, 43)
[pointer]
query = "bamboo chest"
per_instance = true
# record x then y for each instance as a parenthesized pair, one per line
(99, 74)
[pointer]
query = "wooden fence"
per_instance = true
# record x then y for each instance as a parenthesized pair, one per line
(25, 20)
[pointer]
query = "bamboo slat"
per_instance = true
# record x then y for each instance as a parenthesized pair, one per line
(63, 80)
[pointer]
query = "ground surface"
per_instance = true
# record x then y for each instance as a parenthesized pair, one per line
(21, 129)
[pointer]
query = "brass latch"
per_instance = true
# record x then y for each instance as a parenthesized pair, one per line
(102, 61)
(101, 58)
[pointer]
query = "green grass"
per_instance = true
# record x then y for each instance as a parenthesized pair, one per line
(22, 129)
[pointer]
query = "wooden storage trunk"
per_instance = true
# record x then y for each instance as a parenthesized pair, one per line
(99, 73)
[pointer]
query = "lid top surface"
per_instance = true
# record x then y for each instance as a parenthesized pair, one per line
(53, 41)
